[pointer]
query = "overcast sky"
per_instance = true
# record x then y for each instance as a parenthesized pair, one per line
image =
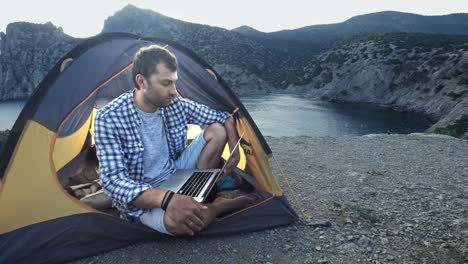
(85, 18)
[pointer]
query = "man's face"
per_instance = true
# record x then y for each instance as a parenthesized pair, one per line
(160, 87)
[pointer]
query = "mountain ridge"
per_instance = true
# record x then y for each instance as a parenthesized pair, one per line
(386, 21)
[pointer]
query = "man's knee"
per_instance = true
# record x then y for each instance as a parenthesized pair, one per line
(215, 131)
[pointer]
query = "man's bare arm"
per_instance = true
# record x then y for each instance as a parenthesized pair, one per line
(232, 138)
(151, 198)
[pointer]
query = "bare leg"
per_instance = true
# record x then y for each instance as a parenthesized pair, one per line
(215, 137)
(222, 205)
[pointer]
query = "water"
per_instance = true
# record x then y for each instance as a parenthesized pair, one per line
(9, 111)
(288, 115)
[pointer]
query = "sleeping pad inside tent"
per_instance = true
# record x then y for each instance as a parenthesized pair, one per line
(53, 208)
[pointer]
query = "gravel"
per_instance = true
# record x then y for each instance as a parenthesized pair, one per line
(371, 199)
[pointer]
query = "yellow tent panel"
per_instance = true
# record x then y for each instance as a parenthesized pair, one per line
(31, 192)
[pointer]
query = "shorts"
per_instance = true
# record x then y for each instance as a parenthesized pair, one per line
(154, 218)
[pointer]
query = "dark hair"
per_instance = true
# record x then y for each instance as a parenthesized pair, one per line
(147, 58)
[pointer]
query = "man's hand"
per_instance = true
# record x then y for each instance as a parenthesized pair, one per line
(232, 138)
(232, 163)
(184, 216)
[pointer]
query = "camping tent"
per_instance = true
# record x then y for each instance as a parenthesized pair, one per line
(41, 221)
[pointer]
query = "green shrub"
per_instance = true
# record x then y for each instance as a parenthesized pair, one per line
(414, 57)
(337, 57)
(457, 129)
(386, 50)
(438, 60)
(418, 77)
(327, 76)
(393, 61)
(356, 212)
(463, 81)
(425, 49)
(393, 86)
(438, 88)
(457, 73)
(455, 95)
(317, 70)
(397, 69)
(440, 51)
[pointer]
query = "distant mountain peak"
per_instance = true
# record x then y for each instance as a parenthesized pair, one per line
(33, 28)
(383, 16)
(131, 10)
(244, 29)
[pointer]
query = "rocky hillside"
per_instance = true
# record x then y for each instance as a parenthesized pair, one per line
(27, 52)
(412, 72)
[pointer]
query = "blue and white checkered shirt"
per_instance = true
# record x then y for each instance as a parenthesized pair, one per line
(120, 149)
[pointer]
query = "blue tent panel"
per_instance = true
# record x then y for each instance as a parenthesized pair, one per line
(82, 235)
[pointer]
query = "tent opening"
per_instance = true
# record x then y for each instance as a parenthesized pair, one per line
(74, 152)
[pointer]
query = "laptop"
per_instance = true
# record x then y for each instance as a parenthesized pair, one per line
(194, 182)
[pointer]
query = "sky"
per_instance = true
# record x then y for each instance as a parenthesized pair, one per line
(85, 18)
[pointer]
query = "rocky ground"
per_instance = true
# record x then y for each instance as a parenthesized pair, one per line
(371, 199)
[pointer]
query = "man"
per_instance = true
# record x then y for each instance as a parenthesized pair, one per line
(140, 141)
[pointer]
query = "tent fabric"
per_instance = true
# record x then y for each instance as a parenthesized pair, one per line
(257, 159)
(72, 237)
(31, 192)
(41, 220)
(97, 64)
(67, 147)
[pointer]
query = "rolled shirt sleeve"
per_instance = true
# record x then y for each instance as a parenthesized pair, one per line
(201, 114)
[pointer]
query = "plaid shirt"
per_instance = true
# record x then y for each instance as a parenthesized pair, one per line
(120, 150)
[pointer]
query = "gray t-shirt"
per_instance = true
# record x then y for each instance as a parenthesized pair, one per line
(157, 164)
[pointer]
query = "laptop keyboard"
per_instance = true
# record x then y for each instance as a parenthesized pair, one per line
(195, 184)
